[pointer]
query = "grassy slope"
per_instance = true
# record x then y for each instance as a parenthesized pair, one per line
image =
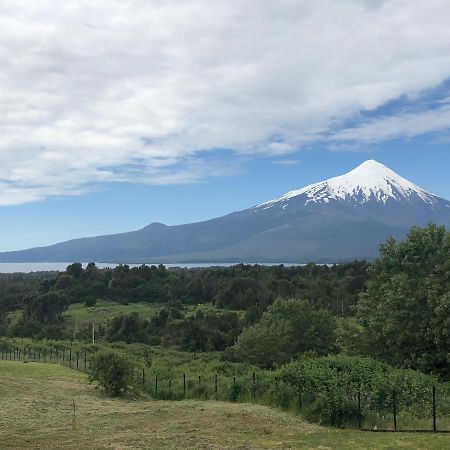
(36, 399)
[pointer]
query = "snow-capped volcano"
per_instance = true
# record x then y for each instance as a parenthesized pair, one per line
(339, 219)
(369, 181)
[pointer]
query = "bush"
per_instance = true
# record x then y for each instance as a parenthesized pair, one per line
(113, 371)
(287, 329)
(330, 385)
(90, 301)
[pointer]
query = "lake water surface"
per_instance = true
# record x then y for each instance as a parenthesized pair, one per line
(40, 267)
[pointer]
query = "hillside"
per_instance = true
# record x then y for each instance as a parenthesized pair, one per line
(339, 219)
(38, 398)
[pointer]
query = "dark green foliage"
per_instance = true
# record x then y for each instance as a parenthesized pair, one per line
(90, 301)
(330, 385)
(238, 287)
(47, 308)
(404, 316)
(287, 329)
(128, 329)
(113, 371)
(14, 287)
(212, 331)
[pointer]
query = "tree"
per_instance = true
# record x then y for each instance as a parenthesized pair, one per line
(404, 315)
(113, 371)
(287, 329)
(44, 308)
(128, 328)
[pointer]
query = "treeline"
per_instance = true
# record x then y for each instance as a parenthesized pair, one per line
(249, 288)
(238, 287)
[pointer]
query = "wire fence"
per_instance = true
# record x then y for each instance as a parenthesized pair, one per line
(387, 412)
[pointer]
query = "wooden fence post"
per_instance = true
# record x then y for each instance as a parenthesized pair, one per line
(394, 408)
(300, 399)
(184, 385)
(254, 386)
(215, 386)
(434, 408)
(359, 409)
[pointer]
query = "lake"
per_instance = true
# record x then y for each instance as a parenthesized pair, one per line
(48, 266)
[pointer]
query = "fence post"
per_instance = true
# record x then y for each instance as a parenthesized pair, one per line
(143, 378)
(51, 353)
(359, 409)
(156, 384)
(254, 386)
(85, 363)
(434, 409)
(70, 357)
(215, 386)
(394, 408)
(77, 359)
(184, 385)
(170, 387)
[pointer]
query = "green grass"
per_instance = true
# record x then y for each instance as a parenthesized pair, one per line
(36, 405)
(105, 310)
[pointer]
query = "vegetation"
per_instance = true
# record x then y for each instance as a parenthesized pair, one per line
(404, 315)
(312, 339)
(113, 371)
(287, 329)
(39, 398)
(328, 388)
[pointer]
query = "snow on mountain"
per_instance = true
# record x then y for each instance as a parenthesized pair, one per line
(369, 181)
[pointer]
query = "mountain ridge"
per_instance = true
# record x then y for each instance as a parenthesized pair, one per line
(339, 219)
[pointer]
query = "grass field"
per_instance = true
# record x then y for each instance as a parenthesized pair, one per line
(36, 413)
(105, 310)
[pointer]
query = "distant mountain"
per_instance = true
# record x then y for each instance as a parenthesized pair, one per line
(339, 219)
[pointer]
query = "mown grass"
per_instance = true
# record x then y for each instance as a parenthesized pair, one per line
(36, 412)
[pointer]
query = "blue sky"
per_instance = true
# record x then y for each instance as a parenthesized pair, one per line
(124, 207)
(124, 112)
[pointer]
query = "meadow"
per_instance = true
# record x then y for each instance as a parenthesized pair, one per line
(37, 412)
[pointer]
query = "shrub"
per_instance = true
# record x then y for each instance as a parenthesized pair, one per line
(90, 301)
(330, 386)
(113, 371)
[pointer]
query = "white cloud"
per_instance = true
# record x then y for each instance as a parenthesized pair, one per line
(286, 162)
(121, 90)
(402, 125)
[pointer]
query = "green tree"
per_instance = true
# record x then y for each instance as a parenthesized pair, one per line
(287, 329)
(404, 315)
(44, 308)
(113, 371)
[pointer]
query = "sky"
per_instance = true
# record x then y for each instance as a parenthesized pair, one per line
(115, 114)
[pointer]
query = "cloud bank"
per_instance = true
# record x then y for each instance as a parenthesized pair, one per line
(147, 91)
